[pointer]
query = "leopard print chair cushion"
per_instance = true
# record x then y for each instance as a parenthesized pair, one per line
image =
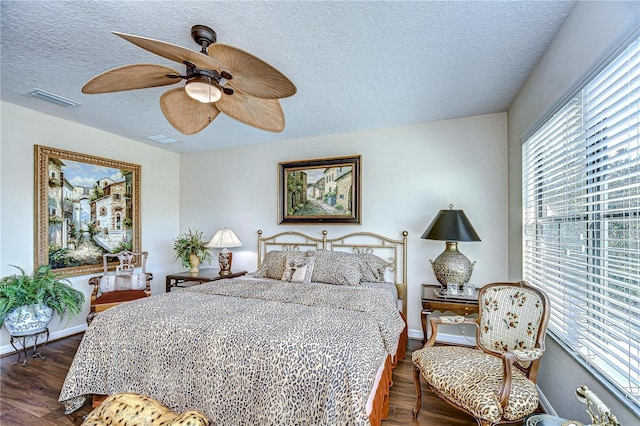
(471, 379)
(130, 409)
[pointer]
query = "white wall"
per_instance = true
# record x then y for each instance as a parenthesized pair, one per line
(160, 197)
(587, 36)
(408, 175)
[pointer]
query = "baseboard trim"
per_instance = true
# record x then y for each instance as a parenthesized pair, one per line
(545, 404)
(56, 335)
(414, 334)
(455, 339)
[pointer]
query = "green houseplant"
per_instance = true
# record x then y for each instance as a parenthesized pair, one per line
(191, 249)
(23, 296)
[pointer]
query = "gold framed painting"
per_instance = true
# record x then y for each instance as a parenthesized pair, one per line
(85, 206)
(325, 190)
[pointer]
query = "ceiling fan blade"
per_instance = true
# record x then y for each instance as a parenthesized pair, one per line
(187, 115)
(252, 76)
(131, 77)
(172, 51)
(264, 114)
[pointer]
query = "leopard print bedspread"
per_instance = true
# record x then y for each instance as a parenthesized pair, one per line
(243, 351)
(379, 304)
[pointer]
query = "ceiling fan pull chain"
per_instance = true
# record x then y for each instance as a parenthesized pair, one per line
(210, 105)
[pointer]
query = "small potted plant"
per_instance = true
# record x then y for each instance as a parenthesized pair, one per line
(191, 250)
(27, 302)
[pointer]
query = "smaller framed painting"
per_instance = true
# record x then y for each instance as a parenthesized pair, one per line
(325, 190)
(85, 206)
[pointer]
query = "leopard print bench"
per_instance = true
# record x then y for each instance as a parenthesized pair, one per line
(132, 409)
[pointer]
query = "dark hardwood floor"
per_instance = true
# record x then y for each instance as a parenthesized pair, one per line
(29, 395)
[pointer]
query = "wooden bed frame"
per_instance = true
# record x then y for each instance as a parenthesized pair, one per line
(393, 251)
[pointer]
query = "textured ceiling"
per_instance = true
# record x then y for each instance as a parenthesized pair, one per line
(357, 65)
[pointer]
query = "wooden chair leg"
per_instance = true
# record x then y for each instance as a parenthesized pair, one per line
(416, 382)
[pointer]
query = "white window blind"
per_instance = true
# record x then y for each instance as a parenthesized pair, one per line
(581, 224)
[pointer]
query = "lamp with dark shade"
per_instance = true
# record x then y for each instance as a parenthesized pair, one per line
(451, 226)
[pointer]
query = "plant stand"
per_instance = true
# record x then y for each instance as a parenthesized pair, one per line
(23, 342)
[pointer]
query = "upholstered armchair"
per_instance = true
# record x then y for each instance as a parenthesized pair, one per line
(123, 284)
(495, 382)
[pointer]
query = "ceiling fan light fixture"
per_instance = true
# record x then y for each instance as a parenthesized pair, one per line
(202, 89)
(255, 85)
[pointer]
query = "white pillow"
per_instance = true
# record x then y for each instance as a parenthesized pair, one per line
(110, 283)
(298, 269)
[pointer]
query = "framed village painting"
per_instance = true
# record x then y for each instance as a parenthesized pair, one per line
(324, 190)
(85, 206)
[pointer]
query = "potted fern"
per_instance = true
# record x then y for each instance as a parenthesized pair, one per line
(191, 250)
(27, 302)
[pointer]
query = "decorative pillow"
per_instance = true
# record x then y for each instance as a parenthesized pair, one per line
(298, 269)
(110, 283)
(273, 264)
(335, 267)
(372, 267)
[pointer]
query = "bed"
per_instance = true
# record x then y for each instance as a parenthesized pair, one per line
(301, 343)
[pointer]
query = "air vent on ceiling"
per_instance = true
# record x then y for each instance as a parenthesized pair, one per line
(50, 97)
(161, 138)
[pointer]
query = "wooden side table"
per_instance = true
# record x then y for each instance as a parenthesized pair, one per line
(202, 276)
(431, 302)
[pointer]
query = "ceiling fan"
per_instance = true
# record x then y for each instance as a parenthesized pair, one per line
(219, 78)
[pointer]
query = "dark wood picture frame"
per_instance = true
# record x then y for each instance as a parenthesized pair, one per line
(325, 190)
(84, 206)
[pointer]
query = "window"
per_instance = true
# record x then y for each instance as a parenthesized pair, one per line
(581, 223)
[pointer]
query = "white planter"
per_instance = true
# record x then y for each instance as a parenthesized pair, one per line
(30, 319)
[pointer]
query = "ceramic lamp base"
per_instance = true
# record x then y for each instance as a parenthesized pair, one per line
(451, 266)
(224, 260)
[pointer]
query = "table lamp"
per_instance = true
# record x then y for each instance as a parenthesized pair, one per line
(224, 238)
(451, 266)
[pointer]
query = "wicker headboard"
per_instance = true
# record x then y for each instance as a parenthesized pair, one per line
(393, 251)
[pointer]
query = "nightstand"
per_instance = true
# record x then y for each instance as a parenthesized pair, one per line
(431, 302)
(202, 276)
